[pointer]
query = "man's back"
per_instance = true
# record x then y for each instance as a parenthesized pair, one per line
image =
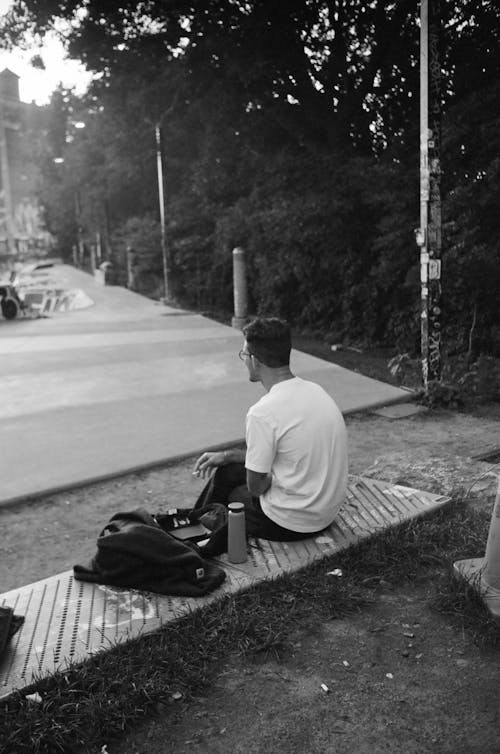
(297, 433)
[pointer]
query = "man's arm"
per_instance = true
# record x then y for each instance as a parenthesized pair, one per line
(208, 462)
(258, 483)
(260, 454)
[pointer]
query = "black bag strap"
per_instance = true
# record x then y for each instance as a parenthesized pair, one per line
(9, 625)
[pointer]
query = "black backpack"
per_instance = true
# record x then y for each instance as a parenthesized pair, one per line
(9, 625)
(135, 552)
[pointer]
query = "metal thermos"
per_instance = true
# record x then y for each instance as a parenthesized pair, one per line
(236, 535)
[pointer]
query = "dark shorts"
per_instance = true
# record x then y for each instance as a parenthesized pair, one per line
(228, 485)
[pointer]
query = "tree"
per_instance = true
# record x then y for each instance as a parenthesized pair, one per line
(471, 256)
(292, 129)
(334, 74)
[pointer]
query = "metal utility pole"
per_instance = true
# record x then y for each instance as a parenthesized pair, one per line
(429, 233)
(159, 163)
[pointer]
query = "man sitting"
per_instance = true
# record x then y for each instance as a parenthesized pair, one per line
(292, 477)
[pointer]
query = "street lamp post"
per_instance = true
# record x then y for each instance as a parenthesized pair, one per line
(78, 251)
(159, 164)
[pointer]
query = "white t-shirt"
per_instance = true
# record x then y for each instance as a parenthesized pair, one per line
(297, 433)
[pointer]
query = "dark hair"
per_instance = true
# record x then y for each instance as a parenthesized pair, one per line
(270, 340)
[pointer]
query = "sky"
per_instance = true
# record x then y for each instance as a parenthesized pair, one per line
(36, 85)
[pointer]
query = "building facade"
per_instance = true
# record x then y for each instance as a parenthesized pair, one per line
(23, 233)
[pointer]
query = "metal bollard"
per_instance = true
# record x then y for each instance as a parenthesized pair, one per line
(239, 289)
(131, 268)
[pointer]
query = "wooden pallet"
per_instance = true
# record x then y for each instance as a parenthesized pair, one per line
(68, 620)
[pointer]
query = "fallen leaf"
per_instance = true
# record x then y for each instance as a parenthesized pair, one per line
(335, 572)
(34, 697)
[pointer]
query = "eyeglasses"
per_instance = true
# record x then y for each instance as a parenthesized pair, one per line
(243, 354)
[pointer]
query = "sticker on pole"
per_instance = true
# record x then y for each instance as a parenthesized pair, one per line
(434, 269)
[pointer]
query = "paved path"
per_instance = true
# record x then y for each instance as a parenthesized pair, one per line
(129, 383)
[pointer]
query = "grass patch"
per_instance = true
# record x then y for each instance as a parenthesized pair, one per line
(457, 599)
(97, 700)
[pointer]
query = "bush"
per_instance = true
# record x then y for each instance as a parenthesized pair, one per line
(464, 384)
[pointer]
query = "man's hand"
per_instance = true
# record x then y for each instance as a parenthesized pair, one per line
(208, 462)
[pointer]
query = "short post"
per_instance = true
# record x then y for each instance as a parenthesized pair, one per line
(239, 289)
(131, 268)
(98, 248)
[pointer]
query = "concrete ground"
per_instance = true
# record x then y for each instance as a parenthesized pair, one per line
(128, 383)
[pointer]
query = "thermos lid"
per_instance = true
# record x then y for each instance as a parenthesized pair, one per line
(236, 507)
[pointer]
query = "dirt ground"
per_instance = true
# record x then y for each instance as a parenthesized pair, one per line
(399, 677)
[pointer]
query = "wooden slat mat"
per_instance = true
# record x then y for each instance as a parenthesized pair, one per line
(67, 620)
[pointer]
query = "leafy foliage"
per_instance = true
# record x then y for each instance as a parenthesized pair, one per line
(463, 383)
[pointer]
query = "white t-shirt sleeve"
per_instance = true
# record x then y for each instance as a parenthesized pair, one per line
(261, 444)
